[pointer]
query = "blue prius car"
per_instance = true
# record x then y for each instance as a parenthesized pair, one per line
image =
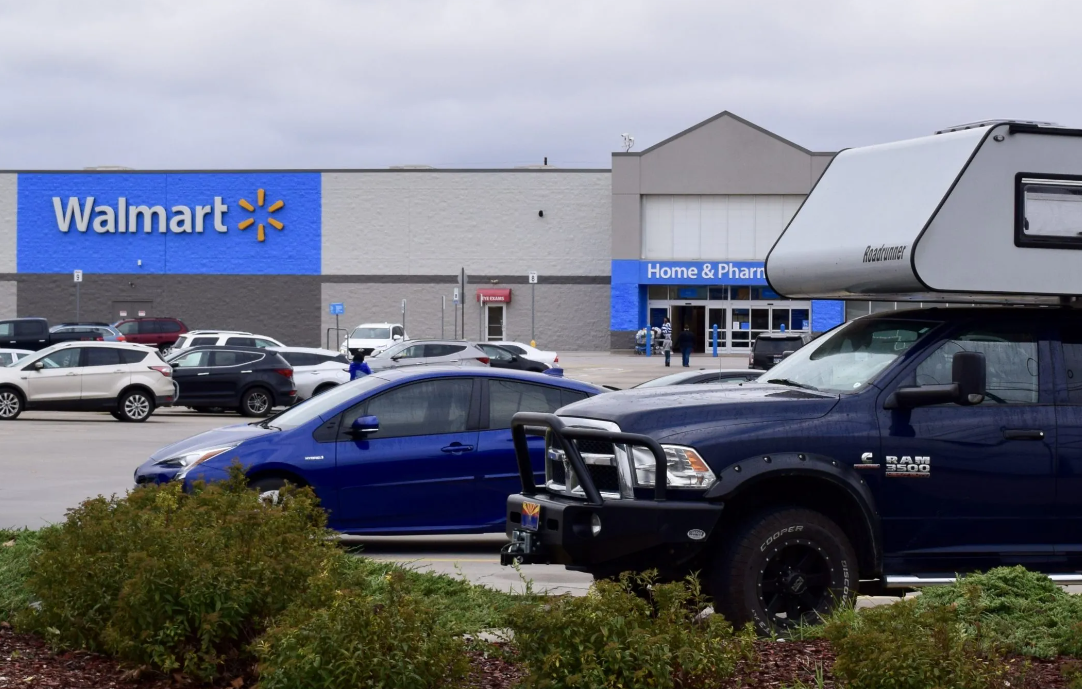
(413, 450)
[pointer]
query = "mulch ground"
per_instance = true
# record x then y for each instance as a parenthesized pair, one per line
(25, 661)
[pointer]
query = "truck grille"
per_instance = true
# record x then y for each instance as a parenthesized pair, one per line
(600, 459)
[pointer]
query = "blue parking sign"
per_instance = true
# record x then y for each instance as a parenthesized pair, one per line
(337, 309)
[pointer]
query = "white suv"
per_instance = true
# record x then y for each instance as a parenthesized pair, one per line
(315, 371)
(372, 338)
(127, 380)
(229, 338)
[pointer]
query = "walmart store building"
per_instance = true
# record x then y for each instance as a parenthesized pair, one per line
(680, 229)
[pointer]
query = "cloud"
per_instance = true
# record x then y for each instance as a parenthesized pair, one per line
(336, 83)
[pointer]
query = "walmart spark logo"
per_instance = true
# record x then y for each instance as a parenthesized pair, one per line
(260, 196)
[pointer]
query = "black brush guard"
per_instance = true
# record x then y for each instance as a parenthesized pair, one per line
(633, 532)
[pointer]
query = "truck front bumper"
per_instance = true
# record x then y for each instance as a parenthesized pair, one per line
(606, 538)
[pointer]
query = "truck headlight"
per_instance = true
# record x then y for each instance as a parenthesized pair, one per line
(686, 469)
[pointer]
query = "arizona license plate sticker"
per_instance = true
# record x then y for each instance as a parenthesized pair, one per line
(531, 515)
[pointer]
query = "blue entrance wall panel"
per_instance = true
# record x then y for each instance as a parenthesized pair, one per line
(294, 250)
(628, 298)
(826, 314)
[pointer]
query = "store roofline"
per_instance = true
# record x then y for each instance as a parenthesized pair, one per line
(724, 113)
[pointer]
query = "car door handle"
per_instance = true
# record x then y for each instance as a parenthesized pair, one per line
(245, 371)
(458, 447)
(203, 374)
(1023, 434)
(71, 373)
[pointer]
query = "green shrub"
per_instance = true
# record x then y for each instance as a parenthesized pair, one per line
(1017, 610)
(909, 646)
(373, 636)
(17, 547)
(175, 581)
(615, 638)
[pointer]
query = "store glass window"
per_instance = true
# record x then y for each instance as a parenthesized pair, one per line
(658, 292)
(691, 293)
(780, 319)
(718, 293)
(800, 319)
(856, 309)
(741, 293)
(760, 319)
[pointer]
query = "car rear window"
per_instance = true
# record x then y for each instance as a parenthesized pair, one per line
(101, 356)
(29, 328)
(134, 356)
(168, 327)
(434, 350)
(241, 342)
(301, 358)
(204, 341)
(233, 358)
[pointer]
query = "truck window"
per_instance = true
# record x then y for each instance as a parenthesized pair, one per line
(1072, 362)
(1011, 357)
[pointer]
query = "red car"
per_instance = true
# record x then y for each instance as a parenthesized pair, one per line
(160, 332)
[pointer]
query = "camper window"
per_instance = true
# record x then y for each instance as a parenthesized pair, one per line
(1050, 212)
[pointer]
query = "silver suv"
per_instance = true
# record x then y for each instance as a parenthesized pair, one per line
(415, 352)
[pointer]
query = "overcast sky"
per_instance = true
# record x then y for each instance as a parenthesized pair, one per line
(336, 83)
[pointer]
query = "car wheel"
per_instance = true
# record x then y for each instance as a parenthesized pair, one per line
(135, 406)
(256, 402)
(322, 389)
(11, 404)
(784, 568)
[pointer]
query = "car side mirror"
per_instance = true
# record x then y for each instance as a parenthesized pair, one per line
(364, 425)
(514, 357)
(967, 387)
(397, 338)
(38, 365)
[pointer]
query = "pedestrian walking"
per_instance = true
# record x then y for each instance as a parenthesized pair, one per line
(685, 343)
(666, 328)
(666, 347)
(357, 367)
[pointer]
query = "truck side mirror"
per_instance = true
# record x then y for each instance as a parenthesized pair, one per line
(967, 386)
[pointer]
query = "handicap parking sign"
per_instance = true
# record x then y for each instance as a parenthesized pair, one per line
(337, 309)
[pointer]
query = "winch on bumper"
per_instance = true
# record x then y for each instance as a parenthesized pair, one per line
(594, 534)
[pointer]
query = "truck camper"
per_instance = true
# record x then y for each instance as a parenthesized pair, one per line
(990, 213)
(892, 452)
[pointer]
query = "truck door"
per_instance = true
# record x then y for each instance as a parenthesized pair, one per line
(971, 487)
(1068, 367)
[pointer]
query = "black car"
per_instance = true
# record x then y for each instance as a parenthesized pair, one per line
(499, 357)
(250, 380)
(770, 348)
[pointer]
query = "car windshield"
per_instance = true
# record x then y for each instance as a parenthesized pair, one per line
(320, 405)
(368, 333)
(851, 357)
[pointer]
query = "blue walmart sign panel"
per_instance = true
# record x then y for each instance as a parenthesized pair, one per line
(192, 223)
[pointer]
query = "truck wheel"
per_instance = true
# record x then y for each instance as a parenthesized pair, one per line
(782, 568)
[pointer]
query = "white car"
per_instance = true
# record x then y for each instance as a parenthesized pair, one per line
(10, 356)
(532, 353)
(229, 338)
(373, 337)
(315, 371)
(127, 380)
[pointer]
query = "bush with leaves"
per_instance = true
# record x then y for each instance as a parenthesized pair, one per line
(17, 547)
(614, 637)
(1016, 610)
(345, 632)
(180, 582)
(909, 646)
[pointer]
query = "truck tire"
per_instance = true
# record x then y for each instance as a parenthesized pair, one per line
(782, 568)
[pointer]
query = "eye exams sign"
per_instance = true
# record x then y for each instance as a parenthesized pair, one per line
(702, 273)
(175, 222)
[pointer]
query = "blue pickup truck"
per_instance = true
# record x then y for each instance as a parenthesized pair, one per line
(892, 452)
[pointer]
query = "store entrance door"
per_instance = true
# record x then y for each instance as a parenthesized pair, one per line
(695, 318)
(494, 314)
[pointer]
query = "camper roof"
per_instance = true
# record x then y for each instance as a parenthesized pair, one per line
(985, 212)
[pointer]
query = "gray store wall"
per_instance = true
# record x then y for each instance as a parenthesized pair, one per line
(9, 204)
(419, 222)
(9, 305)
(570, 316)
(285, 307)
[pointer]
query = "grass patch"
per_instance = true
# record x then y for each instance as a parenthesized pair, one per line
(461, 607)
(17, 547)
